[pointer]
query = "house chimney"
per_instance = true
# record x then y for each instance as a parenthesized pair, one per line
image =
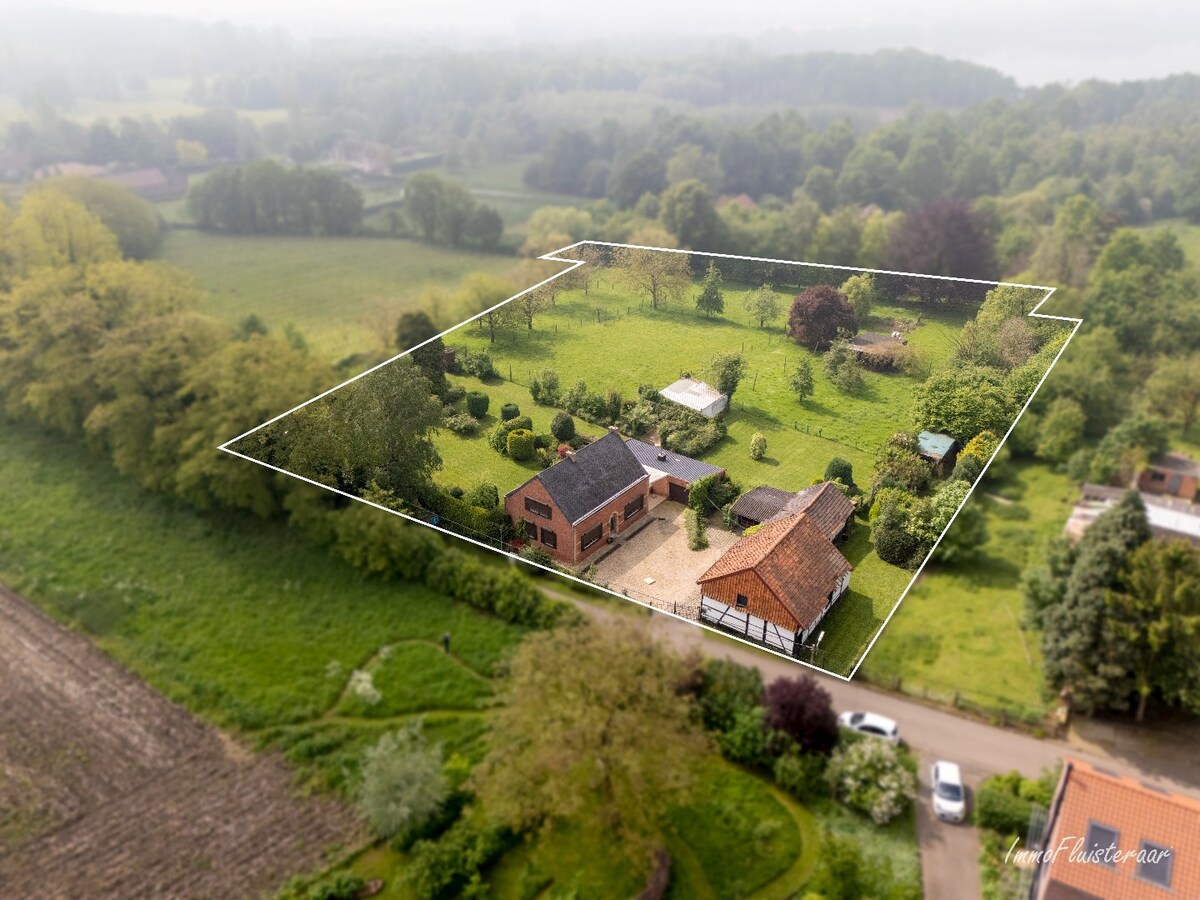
(662, 456)
(614, 429)
(571, 455)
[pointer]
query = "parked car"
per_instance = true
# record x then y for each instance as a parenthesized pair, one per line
(949, 795)
(872, 724)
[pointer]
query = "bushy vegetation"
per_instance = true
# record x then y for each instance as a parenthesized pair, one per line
(263, 197)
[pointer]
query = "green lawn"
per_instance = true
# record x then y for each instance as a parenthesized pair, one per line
(343, 294)
(241, 620)
(959, 631)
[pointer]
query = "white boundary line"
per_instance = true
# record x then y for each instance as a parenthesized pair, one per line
(553, 256)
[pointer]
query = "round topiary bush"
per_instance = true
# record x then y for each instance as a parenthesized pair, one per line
(562, 426)
(520, 444)
(839, 470)
(509, 411)
(477, 404)
(518, 422)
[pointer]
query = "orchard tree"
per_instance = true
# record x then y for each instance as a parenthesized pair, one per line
(763, 304)
(862, 294)
(728, 369)
(801, 380)
(712, 298)
(818, 315)
(660, 274)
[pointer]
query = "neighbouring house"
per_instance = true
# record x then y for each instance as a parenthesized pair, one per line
(828, 507)
(1172, 474)
(583, 501)
(775, 586)
(68, 170)
(369, 157)
(697, 396)
(1169, 518)
(671, 475)
(877, 351)
(939, 449)
(1111, 836)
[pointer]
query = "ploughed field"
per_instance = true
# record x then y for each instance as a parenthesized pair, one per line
(107, 789)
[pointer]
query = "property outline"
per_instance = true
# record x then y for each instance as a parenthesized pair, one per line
(553, 256)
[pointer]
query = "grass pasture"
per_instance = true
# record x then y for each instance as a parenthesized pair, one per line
(959, 630)
(343, 294)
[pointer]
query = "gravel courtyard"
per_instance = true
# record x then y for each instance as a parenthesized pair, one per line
(660, 551)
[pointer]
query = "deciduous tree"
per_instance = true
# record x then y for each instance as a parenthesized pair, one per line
(818, 315)
(663, 276)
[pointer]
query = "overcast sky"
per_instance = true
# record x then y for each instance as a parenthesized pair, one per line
(1034, 41)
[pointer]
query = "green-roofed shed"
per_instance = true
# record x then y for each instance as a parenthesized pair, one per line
(939, 449)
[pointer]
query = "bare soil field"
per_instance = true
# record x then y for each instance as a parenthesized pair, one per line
(107, 789)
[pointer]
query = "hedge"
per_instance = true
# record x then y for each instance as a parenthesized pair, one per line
(697, 539)
(562, 426)
(477, 404)
(509, 411)
(521, 444)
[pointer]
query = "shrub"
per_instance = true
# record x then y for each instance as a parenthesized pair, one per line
(562, 426)
(543, 388)
(443, 868)
(454, 393)
(840, 470)
(466, 518)
(335, 886)
(509, 411)
(477, 404)
(746, 740)
(520, 444)
(536, 554)
(505, 592)
(547, 457)
(968, 469)
(872, 777)
(1004, 802)
(462, 423)
(803, 710)
(498, 438)
(983, 445)
(478, 364)
(725, 687)
(455, 491)
(711, 492)
(758, 446)
(801, 774)
(402, 781)
(543, 441)
(843, 367)
(696, 527)
(484, 495)
(518, 422)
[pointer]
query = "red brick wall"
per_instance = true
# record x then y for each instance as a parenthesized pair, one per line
(762, 601)
(569, 538)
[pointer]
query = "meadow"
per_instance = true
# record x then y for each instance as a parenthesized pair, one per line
(958, 634)
(343, 294)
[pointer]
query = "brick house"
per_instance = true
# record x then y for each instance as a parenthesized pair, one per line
(1172, 475)
(776, 585)
(582, 502)
(1111, 836)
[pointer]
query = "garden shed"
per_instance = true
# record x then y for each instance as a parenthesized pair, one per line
(696, 395)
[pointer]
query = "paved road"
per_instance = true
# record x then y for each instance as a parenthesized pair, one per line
(949, 853)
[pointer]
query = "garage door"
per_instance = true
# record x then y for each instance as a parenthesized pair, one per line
(678, 493)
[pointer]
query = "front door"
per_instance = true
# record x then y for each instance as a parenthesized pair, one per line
(612, 523)
(678, 493)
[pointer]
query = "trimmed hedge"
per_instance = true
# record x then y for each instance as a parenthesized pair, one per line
(509, 411)
(521, 444)
(696, 529)
(562, 426)
(477, 404)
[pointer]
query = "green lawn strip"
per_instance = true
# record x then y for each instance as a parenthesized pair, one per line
(958, 631)
(243, 621)
(800, 871)
(329, 288)
(415, 676)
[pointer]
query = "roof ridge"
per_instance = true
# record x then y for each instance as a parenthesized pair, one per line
(1118, 779)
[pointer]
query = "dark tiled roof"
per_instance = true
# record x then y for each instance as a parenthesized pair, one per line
(797, 563)
(1177, 462)
(680, 466)
(599, 472)
(823, 504)
(762, 503)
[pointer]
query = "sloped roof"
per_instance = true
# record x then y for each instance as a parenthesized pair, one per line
(761, 503)
(796, 562)
(1168, 517)
(598, 472)
(1176, 462)
(931, 443)
(823, 504)
(681, 467)
(1137, 813)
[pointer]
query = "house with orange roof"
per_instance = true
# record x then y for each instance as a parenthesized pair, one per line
(1110, 836)
(775, 585)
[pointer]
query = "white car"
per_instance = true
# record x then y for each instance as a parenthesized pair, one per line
(949, 795)
(872, 724)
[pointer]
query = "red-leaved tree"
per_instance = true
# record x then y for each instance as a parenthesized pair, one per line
(818, 314)
(803, 710)
(946, 237)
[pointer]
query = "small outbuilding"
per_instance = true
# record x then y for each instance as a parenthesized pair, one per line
(1171, 475)
(697, 396)
(939, 449)
(671, 474)
(828, 508)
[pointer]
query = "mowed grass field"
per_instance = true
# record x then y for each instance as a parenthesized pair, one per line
(343, 294)
(959, 630)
